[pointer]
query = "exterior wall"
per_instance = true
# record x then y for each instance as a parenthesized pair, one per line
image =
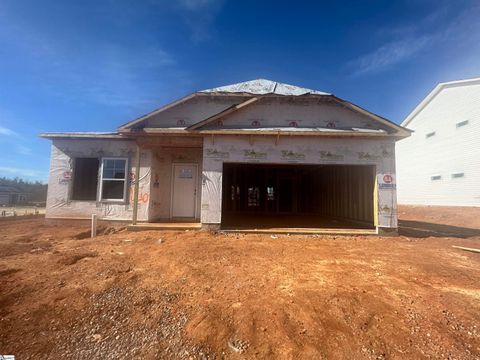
(297, 150)
(59, 204)
(451, 150)
(161, 183)
(305, 112)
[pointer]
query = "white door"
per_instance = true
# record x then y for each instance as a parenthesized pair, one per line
(184, 190)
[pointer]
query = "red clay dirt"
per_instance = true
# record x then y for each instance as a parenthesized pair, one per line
(198, 295)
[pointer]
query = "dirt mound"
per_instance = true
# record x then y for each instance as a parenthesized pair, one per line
(70, 259)
(102, 230)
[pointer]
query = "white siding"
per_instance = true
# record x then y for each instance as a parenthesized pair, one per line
(451, 150)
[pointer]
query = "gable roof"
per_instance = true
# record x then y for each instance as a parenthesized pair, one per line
(401, 131)
(262, 87)
(252, 87)
(434, 93)
(253, 90)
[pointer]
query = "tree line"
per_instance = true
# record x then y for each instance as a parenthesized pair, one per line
(37, 191)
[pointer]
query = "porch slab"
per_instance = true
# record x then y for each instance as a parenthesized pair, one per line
(164, 226)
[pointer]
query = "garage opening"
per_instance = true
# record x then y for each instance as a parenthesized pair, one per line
(260, 196)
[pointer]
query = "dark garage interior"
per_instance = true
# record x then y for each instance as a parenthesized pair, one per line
(263, 196)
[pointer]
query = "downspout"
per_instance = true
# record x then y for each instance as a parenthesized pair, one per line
(136, 187)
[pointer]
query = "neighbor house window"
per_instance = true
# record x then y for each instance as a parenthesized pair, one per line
(430, 134)
(436, 177)
(458, 175)
(85, 179)
(462, 123)
(114, 179)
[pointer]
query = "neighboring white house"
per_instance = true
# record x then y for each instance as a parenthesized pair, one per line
(439, 164)
(247, 155)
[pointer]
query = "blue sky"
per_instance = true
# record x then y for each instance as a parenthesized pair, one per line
(93, 65)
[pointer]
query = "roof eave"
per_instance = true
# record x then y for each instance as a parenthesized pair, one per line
(400, 130)
(433, 93)
(82, 135)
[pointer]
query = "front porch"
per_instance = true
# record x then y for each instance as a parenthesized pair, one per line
(165, 226)
(174, 187)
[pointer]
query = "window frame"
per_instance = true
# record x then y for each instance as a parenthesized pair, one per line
(125, 181)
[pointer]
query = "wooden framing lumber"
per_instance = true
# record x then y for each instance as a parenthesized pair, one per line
(466, 249)
(136, 187)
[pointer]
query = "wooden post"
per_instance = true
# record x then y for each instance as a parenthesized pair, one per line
(375, 201)
(136, 186)
(94, 225)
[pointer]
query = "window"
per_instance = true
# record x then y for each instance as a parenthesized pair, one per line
(430, 134)
(114, 179)
(462, 123)
(270, 193)
(253, 196)
(436, 177)
(85, 179)
(458, 175)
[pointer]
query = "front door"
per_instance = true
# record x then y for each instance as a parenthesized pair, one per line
(184, 190)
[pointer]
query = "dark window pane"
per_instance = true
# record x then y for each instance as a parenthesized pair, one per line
(85, 179)
(108, 173)
(114, 169)
(119, 164)
(112, 190)
(119, 174)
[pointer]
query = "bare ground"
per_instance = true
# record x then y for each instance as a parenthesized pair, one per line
(200, 295)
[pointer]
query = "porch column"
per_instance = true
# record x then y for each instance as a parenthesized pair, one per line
(136, 187)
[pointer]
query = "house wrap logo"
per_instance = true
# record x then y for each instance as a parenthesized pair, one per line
(215, 154)
(386, 153)
(292, 155)
(327, 155)
(367, 156)
(385, 209)
(254, 155)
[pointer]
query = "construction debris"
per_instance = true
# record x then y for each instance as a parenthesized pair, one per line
(466, 249)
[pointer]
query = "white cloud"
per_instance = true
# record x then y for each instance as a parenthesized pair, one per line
(199, 15)
(23, 173)
(390, 54)
(409, 40)
(7, 132)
